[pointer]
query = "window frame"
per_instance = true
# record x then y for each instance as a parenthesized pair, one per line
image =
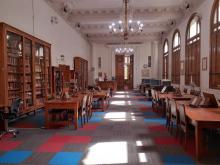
(176, 58)
(193, 53)
(165, 74)
(214, 73)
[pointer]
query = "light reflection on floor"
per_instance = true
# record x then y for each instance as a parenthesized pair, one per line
(120, 103)
(121, 96)
(119, 116)
(121, 92)
(142, 158)
(116, 116)
(107, 153)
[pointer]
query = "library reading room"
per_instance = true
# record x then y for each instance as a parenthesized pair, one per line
(109, 82)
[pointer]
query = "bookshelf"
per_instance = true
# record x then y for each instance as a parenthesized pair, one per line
(65, 75)
(26, 65)
(81, 71)
(56, 81)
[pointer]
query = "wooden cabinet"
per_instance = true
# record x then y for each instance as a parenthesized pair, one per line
(65, 74)
(25, 69)
(81, 70)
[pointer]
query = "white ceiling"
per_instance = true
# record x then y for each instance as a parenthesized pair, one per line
(92, 17)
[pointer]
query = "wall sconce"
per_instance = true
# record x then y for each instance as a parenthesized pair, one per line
(61, 60)
(54, 20)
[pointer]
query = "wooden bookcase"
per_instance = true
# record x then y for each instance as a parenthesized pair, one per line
(56, 81)
(81, 70)
(25, 63)
(65, 75)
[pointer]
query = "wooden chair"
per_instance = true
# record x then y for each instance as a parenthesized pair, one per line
(154, 102)
(89, 106)
(173, 116)
(168, 113)
(107, 98)
(183, 124)
(83, 109)
(159, 107)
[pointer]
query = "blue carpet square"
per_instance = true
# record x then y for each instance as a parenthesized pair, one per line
(178, 160)
(98, 114)
(95, 120)
(149, 114)
(66, 158)
(147, 103)
(156, 120)
(15, 157)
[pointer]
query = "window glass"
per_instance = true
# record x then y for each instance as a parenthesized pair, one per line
(166, 47)
(215, 16)
(218, 12)
(176, 41)
(126, 72)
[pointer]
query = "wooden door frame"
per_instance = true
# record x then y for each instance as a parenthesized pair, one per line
(132, 71)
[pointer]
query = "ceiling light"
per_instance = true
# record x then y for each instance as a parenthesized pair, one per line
(126, 24)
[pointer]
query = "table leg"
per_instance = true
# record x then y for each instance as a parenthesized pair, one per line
(103, 104)
(46, 118)
(76, 118)
(198, 138)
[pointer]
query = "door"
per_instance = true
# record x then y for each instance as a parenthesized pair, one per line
(124, 71)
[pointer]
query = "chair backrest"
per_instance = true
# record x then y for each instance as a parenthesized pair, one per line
(89, 99)
(84, 101)
(167, 106)
(173, 108)
(185, 90)
(153, 94)
(182, 115)
(15, 106)
(108, 92)
(156, 95)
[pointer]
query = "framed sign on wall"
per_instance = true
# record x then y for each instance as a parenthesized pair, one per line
(149, 61)
(182, 68)
(204, 63)
(99, 62)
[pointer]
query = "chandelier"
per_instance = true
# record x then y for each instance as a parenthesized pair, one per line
(126, 25)
(124, 50)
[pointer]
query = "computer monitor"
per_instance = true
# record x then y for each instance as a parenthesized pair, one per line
(164, 89)
(210, 100)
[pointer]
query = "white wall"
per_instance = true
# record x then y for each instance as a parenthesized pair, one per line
(64, 39)
(204, 11)
(142, 51)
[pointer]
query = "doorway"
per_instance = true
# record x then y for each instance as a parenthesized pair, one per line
(124, 71)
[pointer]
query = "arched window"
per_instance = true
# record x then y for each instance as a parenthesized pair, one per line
(215, 46)
(176, 58)
(165, 59)
(192, 61)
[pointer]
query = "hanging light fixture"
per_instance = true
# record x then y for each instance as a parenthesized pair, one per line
(124, 50)
(126, 25)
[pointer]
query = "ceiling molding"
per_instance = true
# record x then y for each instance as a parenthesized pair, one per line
(92, 22)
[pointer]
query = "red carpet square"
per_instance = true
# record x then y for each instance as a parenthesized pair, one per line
(7, 136)
(144, 108)
(51, 147)
(69, 139)
(79, 139)
(166, 141)
(9, 145)
(90, 127)
(191, 149)
(157, 128)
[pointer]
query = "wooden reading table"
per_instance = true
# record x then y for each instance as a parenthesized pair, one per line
(173, 96)
(58, 104)
(202, 118)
